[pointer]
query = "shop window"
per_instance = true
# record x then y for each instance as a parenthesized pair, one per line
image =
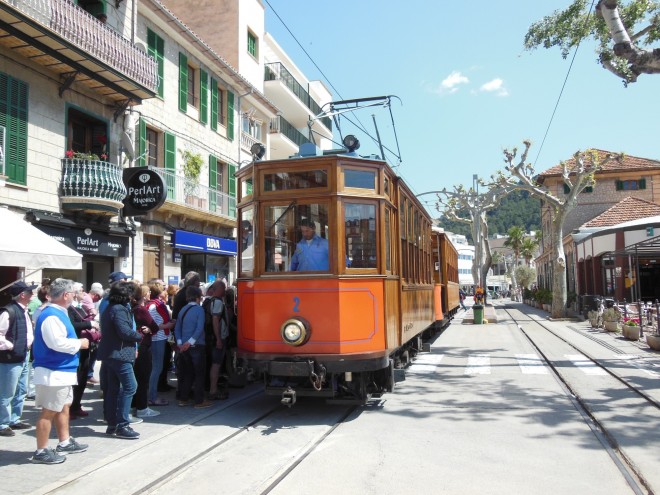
(296, 238)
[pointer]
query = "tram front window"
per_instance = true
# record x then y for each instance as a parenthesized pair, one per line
(296, 238)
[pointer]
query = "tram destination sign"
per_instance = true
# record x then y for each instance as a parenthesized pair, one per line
(145, 189)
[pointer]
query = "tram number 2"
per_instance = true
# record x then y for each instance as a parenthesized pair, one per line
(296, 301)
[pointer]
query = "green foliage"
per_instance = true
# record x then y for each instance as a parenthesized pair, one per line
(525, 276)
(192, 165)
(567, 28)
(518, 208)
(611, 314)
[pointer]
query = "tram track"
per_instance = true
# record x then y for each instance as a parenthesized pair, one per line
(627, 466)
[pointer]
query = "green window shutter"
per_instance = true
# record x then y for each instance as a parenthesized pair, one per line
(156, 48)
(231, 182)
(214, 104)
(230, 115)
(203, 97)
(619, 185)
(642, 183)
(14, 118)
(213, 183)
(170, 165)
(142, 143)
(183, 82)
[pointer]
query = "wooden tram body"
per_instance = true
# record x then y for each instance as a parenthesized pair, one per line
(337, 331)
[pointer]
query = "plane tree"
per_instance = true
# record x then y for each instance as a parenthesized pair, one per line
(577, 174)
(625, 33)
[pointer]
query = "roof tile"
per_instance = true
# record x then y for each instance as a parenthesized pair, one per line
(628, 163)
(625, 210)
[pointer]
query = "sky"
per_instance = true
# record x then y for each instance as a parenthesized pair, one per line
(468, 89)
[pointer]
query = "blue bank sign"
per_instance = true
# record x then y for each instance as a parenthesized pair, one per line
(204, 243)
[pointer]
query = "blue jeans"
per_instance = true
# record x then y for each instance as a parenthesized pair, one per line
(120, 388)
(13, 389)
(157, 356)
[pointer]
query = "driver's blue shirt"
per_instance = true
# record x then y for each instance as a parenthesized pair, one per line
(311, 255)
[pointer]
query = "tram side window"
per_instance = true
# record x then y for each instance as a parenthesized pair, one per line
(296, 238)
(360, 221)
(247, 240)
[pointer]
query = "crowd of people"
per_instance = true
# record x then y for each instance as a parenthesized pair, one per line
(51, 340)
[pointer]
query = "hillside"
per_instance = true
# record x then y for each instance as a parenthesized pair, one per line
(517, 209)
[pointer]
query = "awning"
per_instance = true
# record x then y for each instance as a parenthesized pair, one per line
(23, 245)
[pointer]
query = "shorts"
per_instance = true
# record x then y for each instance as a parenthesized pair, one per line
(53, 398)
(218, 355)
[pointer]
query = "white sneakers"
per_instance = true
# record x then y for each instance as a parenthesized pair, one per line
(147, 413)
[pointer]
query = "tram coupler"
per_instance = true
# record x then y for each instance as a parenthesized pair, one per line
(288, 397)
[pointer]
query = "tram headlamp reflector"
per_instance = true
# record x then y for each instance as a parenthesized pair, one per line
(351, 143)
(258, 151)
(295, 331)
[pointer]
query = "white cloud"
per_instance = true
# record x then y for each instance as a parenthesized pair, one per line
(449, 84)
(495, 86)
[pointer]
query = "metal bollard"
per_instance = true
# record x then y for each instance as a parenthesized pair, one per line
(657, 316)
(625, 309)
(641, 325)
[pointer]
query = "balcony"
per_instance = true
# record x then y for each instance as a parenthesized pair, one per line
(247, 141)
(71, 42)
(195, 200)
(277, 72)
(92, 186)
(285, 139)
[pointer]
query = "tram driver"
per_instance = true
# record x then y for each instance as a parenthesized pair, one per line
(312, 251)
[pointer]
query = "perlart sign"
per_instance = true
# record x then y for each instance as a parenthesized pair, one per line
(146, 191)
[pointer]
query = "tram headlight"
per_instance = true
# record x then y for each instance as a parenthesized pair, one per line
(295, 331)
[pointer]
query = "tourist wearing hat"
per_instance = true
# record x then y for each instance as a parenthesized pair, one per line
(16, 335)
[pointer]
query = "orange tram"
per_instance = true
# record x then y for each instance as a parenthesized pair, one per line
(340, 275)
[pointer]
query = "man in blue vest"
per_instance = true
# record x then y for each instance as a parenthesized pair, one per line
(15, 340)
(312, 250)
(55, 349)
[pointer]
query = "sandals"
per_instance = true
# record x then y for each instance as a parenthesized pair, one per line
(159, 402)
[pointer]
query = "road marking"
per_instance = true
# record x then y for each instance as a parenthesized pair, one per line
(478, 364)
(638, 363)
(531, 364)
(428, 363)
(585, 364)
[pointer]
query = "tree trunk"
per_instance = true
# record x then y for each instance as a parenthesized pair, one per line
(559, 267)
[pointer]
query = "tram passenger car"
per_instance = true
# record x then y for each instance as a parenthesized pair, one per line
(336, 328)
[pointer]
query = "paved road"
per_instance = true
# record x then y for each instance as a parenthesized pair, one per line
(476, 415)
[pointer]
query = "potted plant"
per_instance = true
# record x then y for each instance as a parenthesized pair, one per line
(593, 318)
(611, 318)
(631, 328)
(653, 340)
(547, 300)
(192, 169)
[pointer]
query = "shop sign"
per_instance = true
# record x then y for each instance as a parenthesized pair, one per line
(192, 241)
(145, 189)
(176, 256)
(88, 241)
(173, 280)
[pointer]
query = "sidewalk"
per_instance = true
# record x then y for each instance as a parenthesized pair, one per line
(489, 314)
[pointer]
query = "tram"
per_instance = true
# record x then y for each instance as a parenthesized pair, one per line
(340, 274)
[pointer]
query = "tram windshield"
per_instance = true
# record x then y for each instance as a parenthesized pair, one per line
(296, 238)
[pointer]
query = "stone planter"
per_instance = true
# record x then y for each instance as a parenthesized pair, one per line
(653, 341)
(631, 333)
(594, 323)
(611, 326)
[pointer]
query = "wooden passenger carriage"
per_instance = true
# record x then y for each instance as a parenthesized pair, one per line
(336, 330)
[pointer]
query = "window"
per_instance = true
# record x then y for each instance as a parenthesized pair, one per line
(282, 181)
(251, 126)
(246, 240)
(203, 97)
(191, 95)
(246, 187)
(95, 7)
(217, 201)
(296, 238)
(156, 48)
(362, 179)
(183, 82)
(86, 134)
(630, 185)
(252, 44)
(360, 222)
(152, 147)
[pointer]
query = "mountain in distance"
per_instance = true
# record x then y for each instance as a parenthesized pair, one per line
(517, 209)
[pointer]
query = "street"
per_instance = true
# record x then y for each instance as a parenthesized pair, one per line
(480, 413)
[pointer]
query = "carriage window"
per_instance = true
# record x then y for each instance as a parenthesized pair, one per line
(247, 240)
(246, 187)
(360, 223)
(388, 240)
(296, 238)
(304, 179)
(363, 179)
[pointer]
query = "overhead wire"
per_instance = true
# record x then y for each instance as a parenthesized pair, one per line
(577, 47)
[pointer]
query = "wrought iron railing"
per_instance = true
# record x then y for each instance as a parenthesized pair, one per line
(94, 37)
(281, 125)
(186, 192)
(93, 183)
(277, 72)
